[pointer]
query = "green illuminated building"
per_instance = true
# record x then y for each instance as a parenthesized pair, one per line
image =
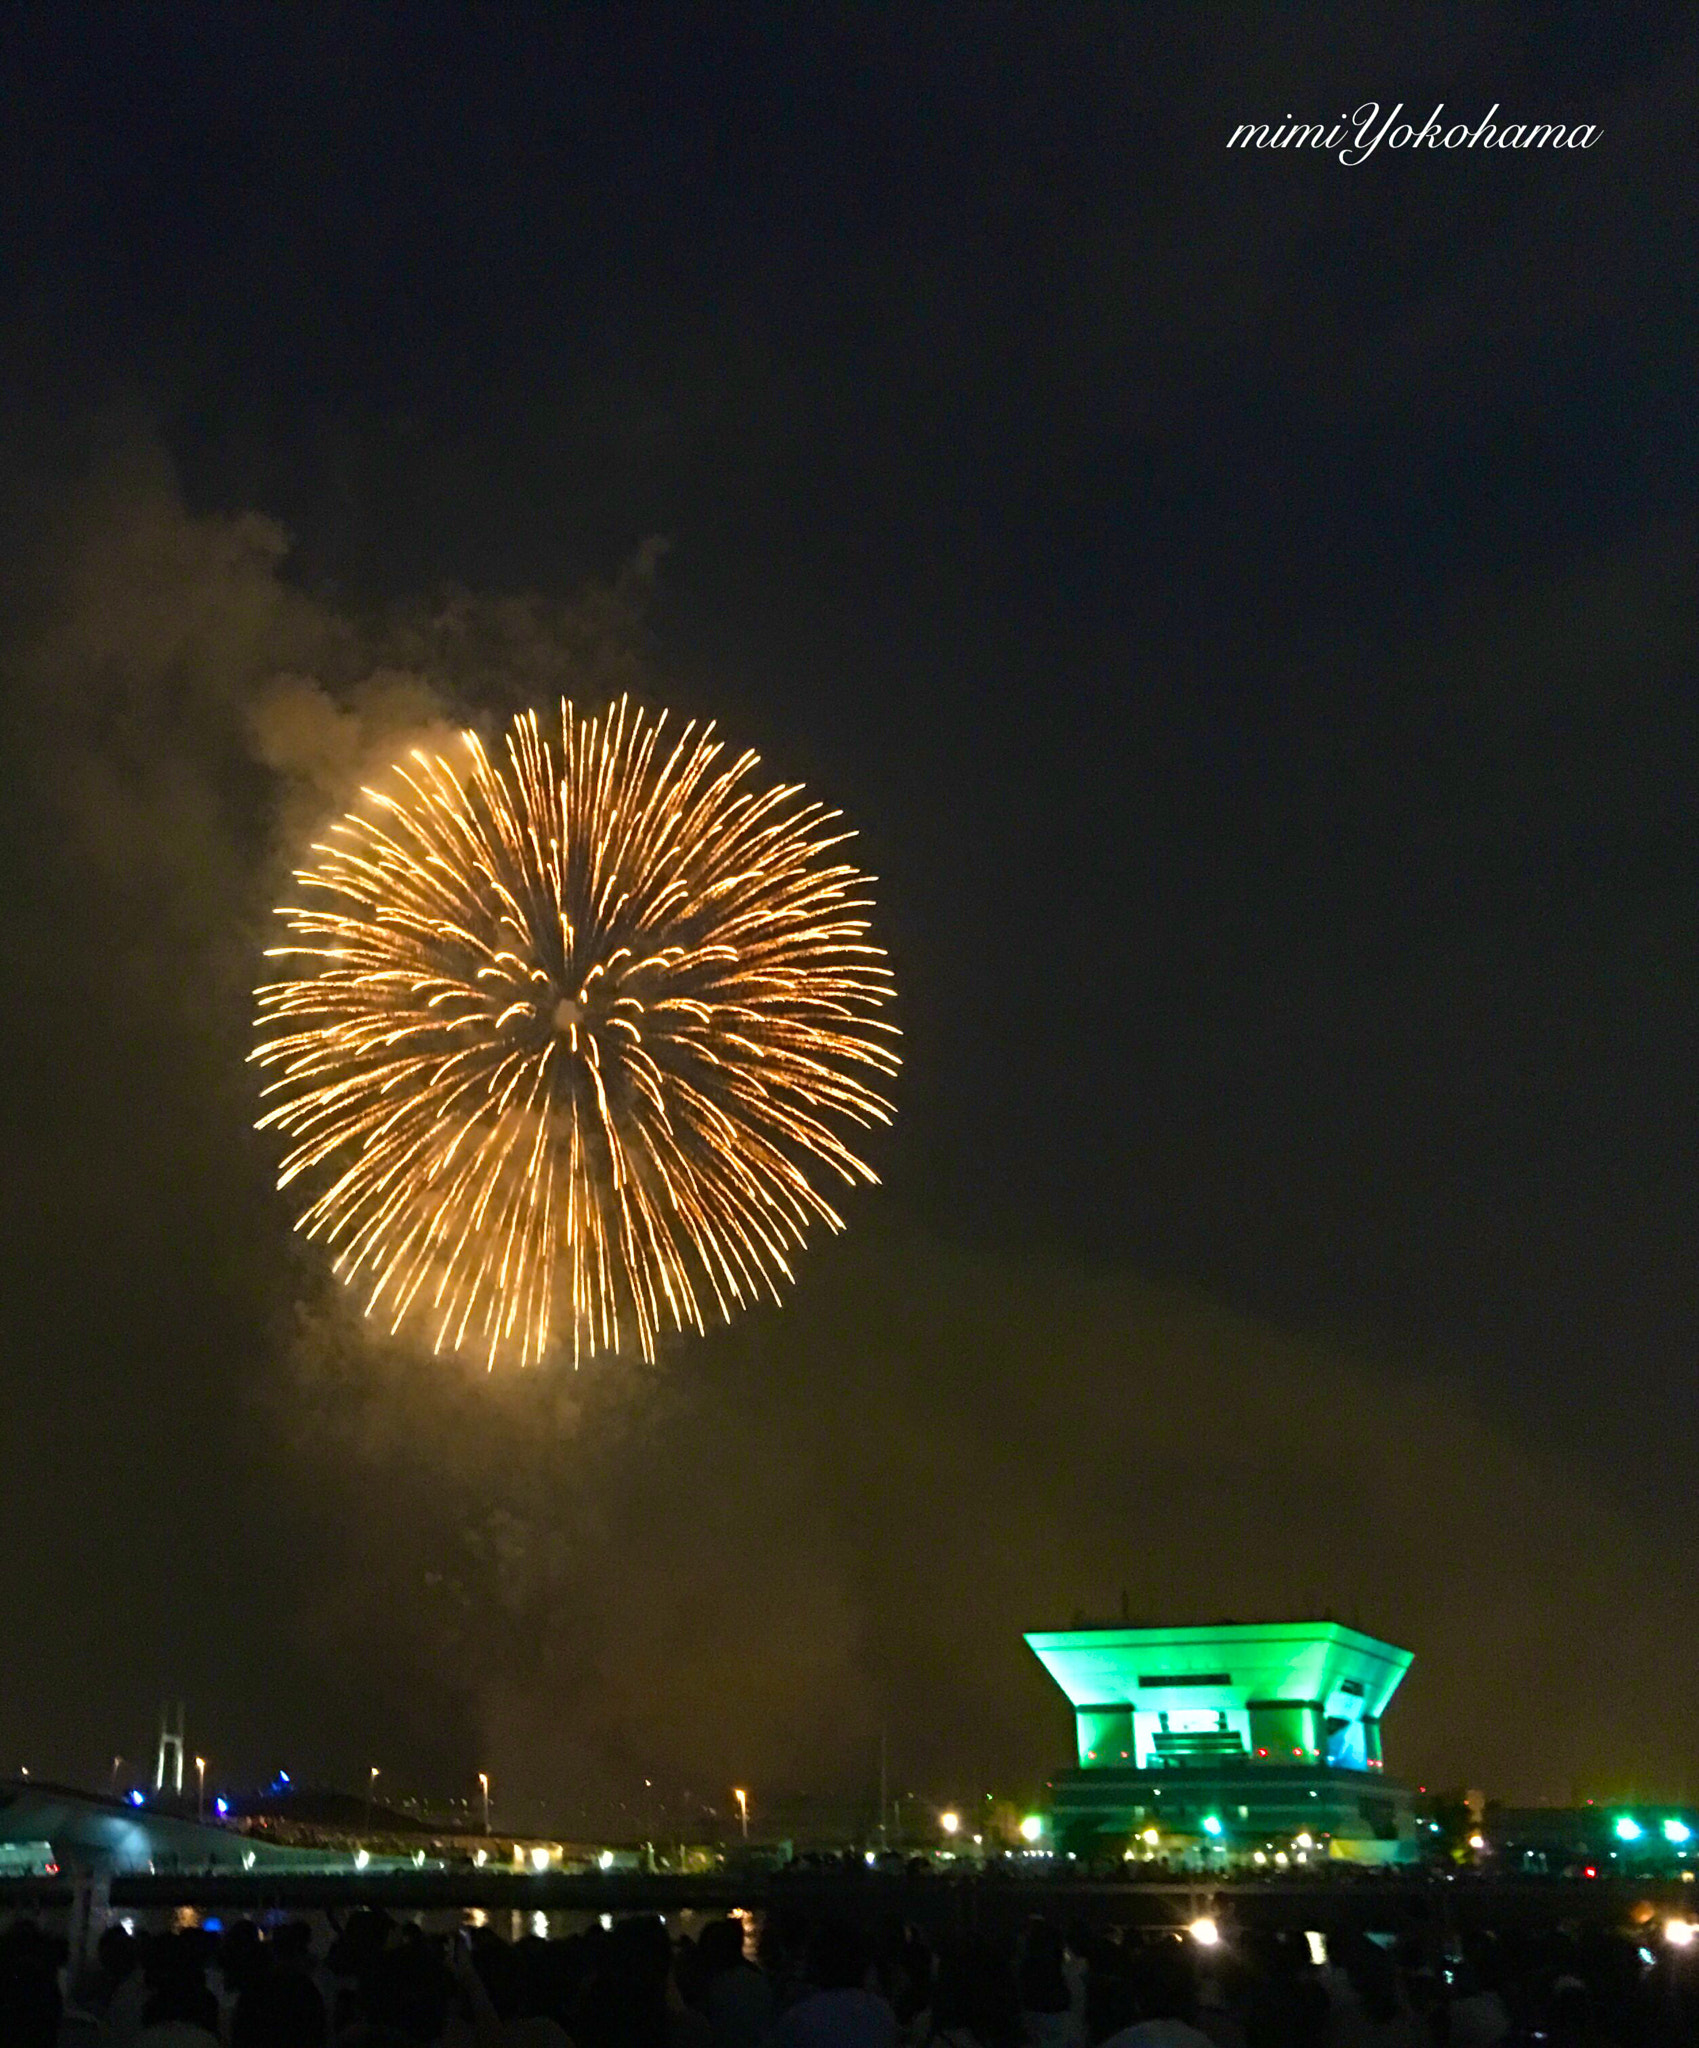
(1239, 1740)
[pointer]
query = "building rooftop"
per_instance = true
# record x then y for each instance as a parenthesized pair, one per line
(1224, 1664)
(1267, 1691)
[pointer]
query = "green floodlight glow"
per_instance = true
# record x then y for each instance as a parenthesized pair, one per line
(1212, 1824)
(1628, 1829)
(1032, 1827)
(1269, 1692)
(1677, 1831)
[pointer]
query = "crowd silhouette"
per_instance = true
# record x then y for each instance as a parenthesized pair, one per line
(374, 1981)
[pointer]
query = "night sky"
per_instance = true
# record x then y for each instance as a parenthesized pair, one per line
(1248, 606)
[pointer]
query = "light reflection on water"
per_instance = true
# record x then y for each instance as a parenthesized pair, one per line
(443, 1921)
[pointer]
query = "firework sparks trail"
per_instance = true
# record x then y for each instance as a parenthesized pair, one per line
(571, 1032)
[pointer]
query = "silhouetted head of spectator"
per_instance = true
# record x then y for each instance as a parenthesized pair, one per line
(242, 1955)
(280, 2008)
(624, 2004)
(1482, 1962)
(1163, 1984)
(910, 1988)
(29, 1988)
(1042, 1986)
(493, 1960)
(783, 1943)
(292, 1944)
(642, 1950)
(539, 1978)
(362, 1941)
(1372, 1974)
(1569, 2016)
(408, 1990)
(973, 1992)
(117, 1953)
(182, 1995)
(719, 1947)
(839, 1957)
(1108, 1995)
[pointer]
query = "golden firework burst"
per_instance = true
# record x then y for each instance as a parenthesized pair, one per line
(571, 1031)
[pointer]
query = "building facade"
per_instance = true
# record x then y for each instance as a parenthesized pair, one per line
(1234, 1742)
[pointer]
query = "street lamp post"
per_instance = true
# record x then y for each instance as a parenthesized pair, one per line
(200, 1788)
(484, 1788)
(742, 1798)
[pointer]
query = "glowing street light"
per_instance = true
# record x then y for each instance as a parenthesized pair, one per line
(742, 1798)
(371, 1795)
(484, 1788)
(1032, 1827)
(200, 1788)
(1628, 1829)
(1204, 1931)
(1212, 1825)
(1679, 1933)
(949, 1822)
(1677, 1831)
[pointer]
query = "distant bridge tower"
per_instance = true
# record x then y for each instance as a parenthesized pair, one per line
(170, 1748)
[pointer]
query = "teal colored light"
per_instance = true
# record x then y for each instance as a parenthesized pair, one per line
(1628, 1829)
(1677, 1831)
(1211, 1824)
(1298, 1661)
(1129, 1686)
